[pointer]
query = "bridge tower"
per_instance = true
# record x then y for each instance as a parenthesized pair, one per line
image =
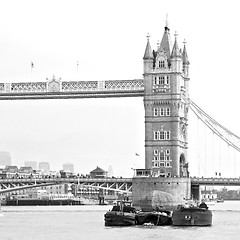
(166, 77)
(165, 180)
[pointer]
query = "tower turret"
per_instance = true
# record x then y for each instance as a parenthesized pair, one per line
(186, 62)
(176, 57)
(148, 57)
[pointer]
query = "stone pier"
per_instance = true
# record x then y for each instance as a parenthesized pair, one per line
(148, 193)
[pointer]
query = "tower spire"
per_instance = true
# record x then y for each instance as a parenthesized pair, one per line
(184, 54)
(166, 44)
(167, 23)
(148, 51)
(175, 50)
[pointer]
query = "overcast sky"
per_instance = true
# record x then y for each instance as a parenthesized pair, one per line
(107, 38)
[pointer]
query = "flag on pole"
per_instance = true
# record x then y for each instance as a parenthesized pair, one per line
(32, 66)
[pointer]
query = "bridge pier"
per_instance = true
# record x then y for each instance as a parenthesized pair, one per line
(151, 192)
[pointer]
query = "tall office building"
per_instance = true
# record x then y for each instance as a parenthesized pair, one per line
(5, 159)
(68, 167)
(44, 166)
(32, 164)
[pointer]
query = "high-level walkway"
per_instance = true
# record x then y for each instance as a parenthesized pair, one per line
(57, 89)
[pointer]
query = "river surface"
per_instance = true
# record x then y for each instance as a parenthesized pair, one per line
(87, 223)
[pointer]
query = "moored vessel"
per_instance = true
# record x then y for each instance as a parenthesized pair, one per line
(122, 214)
(156, 218)
(192, 216)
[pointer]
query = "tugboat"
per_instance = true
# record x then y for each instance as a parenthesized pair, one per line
(157, 218)
(192, 216)
(122, 214)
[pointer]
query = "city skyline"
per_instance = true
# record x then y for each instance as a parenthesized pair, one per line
(75, 41)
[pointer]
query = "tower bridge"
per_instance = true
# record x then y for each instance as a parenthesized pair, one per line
(165, 92)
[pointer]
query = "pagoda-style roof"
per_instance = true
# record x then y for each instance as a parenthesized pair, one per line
(98, 170)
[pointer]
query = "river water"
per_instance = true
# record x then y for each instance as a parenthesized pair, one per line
(87, 223)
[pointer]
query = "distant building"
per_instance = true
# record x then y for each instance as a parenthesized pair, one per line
(68, 167)
(11, 169)
(44, 166)
(32, 164)
(110, 171)
(98, 173)
(25, 170)
(5, 159)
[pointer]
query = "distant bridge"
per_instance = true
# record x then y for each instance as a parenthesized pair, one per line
(122, 185)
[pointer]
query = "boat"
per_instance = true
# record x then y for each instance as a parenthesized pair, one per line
(192, 216)
(122, 214)
(157, 218)
(220, 200)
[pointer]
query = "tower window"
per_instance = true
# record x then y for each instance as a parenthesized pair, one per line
(155, 81)
(162, 156)
(167, 80)
(161, 111)
(167, 111)
(162, 80)
(161, 64)
(161, 135)
(167, 135)
(168, 164)
(156, 135)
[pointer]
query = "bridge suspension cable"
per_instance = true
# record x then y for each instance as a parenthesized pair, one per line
(226, 135)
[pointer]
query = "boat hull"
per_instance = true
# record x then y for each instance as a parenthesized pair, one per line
(156, 218)
(192, 217)
(116, 218)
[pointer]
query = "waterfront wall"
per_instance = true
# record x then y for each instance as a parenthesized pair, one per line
(148, 193)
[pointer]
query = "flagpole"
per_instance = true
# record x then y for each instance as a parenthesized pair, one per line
(32, 66)
(77, 67)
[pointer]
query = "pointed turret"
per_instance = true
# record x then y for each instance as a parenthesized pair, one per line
(148, 57)
(176, 57)
(175, 51)
(166, 41)
(185, 60)
(184, 54)
(148, 51)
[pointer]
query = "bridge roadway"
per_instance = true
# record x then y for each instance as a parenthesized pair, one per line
(123, 185)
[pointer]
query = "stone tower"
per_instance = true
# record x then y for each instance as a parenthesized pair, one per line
(166, 77)
(165, 182)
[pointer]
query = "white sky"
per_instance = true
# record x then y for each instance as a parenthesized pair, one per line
(108, 39)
